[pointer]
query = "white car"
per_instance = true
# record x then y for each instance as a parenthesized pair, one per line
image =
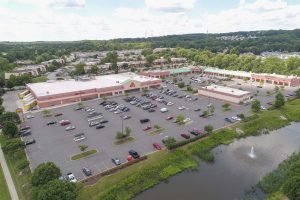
(69, 128)
(71, 177)
(29, 116)
(170, 103)
(181, 108)
(186, 120)
(163, 110)
(236, 118)
(262, 108)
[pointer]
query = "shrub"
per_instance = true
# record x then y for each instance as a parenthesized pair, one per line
(23, 164)
(44, 173)
(208, 128)
(291, 188)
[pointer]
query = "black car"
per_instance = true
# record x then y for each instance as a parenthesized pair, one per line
(144, 120)
(194, 133)
(134, 154)
(198, 109)
(102, 103)
(30, 141)
(228, 120)
(100, 126)
(151, 110)
(51, 123)
(25, 133)
(86, 171)
(103, 121)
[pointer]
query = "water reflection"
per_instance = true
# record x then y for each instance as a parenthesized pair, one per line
(233, 172)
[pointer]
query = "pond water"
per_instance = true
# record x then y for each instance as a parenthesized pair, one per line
(234, 171)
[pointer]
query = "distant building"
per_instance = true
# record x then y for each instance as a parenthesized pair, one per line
(225, 93)
(169, 72)
(33, 70)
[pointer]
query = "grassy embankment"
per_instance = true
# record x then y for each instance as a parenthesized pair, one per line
(273, 183)
(3, 187)
(161, 165)
(21, 178)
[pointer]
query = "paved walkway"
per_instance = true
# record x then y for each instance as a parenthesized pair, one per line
(9, 181)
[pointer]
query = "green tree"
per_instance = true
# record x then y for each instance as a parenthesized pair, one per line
(279, 100)
(83, 147)
(10, 129)
(44, 173)
(13, 145)
(149, 59)
(10, 84)
(9, 116)
(205, 113)
(79, 69)
(127, 131)
(94, 69)
(181, 85)
(212, 109)
(291, 188)
(180, 118)
(55, 189)
(170, 141)
(209, 129)
(255, 107)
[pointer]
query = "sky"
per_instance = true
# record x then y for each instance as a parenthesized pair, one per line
(68, 20)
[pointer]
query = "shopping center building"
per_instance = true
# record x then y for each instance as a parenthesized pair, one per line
(225, 93)
(84, 88)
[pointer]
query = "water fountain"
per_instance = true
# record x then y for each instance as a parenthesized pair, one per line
(251, 154)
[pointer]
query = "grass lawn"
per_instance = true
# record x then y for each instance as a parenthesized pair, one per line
(21, 180)
(123, 141)
(3, 187)
(154, 132)
(134, 179)
(84, 154)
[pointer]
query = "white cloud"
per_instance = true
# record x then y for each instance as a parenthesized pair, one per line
(170, 5)
(50, 24)
(49, 3)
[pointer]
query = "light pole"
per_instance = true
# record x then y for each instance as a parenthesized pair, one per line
(122, 126)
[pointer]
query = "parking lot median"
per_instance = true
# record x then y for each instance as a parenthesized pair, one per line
(84, 154)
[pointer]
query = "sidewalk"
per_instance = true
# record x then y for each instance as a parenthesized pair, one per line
(9, 181)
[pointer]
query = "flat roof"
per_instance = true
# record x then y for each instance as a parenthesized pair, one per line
(65, 86)
(226, 90)
(228, 72)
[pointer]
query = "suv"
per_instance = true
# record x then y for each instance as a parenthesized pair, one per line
(134, 154)
(30, 141)
(144, 120)
(86, 171)
(25, 133)
(71, 177)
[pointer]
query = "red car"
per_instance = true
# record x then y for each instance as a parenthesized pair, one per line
(156, 146)
(147, 128)
(64, 122)
(169, 118)
(186, 136)
(58, 114)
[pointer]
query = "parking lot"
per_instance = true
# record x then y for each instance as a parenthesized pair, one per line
(54, 143)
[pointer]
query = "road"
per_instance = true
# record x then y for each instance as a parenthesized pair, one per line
(8, 178)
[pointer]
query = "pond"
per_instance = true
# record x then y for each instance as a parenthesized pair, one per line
(234, 171)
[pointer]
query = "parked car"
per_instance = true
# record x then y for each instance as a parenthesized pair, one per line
(147, 128)
(103, 121)
(71, 177)
(126, 117)
(100, 126)
(94, 123)
(79, 137)
(181, 108)
(69, 128)
(29, 141)
(163, 110)
(86, 171)
(229, 120)
(169, 118)
(186, 136)
(58, 114)
(186, 120)
(151, 110)
(116, 161)
(144, 120)
(51, 123)
(197, 110)
(134, 154)
(156, 146)
(26, 127)
(64, 122)
(29, 116)
(24, 133)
